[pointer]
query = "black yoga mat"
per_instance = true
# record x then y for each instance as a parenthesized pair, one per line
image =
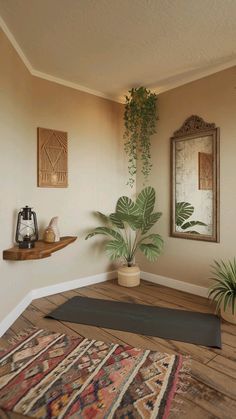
(186, 326)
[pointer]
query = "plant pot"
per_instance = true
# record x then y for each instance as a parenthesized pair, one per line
(227, 315)
(129, 276)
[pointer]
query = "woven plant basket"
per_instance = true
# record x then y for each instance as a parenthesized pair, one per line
(129, 276)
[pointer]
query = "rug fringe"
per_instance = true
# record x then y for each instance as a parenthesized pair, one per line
(182, 387)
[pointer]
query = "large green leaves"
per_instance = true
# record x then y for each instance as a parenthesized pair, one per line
(116, 249)
(134, 222)
(104, 218)
(152, 249)
(106, 231)
(192, 224)
(116, 220)
(183, 211)
(155, 238)
(137, 216)
(149, 221)
(125, 205)
(145, 202)
(145, 205)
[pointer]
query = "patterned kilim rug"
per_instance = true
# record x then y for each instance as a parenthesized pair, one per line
(52, 375)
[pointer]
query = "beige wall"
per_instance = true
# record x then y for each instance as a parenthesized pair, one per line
(214, 99)
(97, 173)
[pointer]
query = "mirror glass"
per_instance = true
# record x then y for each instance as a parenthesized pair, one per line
(195, 181)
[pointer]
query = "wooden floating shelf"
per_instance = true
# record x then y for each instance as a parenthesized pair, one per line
(40, 251)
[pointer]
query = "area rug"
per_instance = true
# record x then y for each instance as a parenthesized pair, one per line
(166, 323)
(52, 375)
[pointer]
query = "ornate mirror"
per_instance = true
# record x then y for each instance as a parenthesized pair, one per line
(195, 180)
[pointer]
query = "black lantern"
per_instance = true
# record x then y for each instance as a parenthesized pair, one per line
(27, 228)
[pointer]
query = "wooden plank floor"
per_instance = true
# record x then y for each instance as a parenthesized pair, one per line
(212, 390)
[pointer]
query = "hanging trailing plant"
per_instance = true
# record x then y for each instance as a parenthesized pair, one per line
(140, 118)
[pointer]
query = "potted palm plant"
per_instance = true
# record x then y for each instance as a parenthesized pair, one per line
(126, 233)
(223, 291)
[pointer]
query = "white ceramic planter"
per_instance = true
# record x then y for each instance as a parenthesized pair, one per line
(129, 276)
(228, 316)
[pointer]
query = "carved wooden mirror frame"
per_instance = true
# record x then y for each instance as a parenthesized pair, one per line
(195, 127)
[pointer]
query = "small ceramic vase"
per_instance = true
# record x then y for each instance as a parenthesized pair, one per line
(49, 235)
(54, 225)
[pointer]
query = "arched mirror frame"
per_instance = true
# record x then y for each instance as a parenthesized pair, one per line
(196, 127)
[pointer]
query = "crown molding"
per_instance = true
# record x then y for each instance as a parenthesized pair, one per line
(191, 76)
(15, 44)
(72, 85)
(163, 86)
(183, 79)
(46, 76)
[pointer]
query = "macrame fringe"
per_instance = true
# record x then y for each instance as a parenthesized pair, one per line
(183, 384)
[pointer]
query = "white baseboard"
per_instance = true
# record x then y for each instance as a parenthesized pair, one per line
(15, 313)
(174, 283)
(90, 280)
(71, 285)
(51, 289)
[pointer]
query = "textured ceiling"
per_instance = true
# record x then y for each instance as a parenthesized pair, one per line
(109, 46)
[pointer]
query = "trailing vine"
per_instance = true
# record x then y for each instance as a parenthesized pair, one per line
(140, 118)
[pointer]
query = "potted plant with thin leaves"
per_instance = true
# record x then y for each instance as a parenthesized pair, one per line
(223, 291)
(126, 232)
(140, 118)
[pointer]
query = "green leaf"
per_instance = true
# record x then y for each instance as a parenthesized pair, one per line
(150, 250)
(116, 220)
(149, 221)
(226, 300)
(156, 239)
(192, 224)
(223, 291)
(133, 221)
(103, 217)
(183, 211)
(233, 305)
(125, 205)
(140, 116)
(215, 294)
(116, 249)
(193, 232)
(145, 201)
(136, 216)
(105, 231)
(219, 302)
